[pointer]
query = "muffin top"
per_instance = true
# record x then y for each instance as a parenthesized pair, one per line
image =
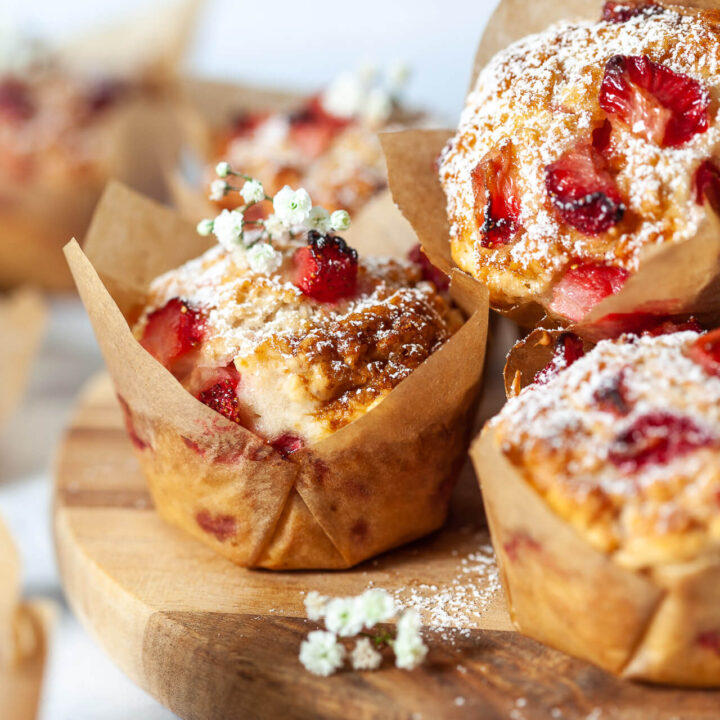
(328, 145)
(623, 444)
(295, 360)
(582, 149)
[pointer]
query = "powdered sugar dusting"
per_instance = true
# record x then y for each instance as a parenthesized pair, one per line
(540, 96)
(561, 435)
(452, 608)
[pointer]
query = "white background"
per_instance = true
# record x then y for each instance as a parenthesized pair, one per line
(283, 43)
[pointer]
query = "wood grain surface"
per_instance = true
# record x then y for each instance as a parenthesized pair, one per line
(212, 641)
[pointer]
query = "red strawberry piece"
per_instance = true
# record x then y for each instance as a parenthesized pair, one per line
(15, 101)
(668, 327)
(429, 271)
(602, 136)
(497, 200)
(245, 123)
(584, 286)
(326, 268)
(662, 106)
(312, 128)
(104, 94)
(583, 191)
(705, 351)
(620, 12)
(173, 331)
(707, 185)
(287, 444)
(656, 439)
(568, 349)
(642, 323)
(220, 394)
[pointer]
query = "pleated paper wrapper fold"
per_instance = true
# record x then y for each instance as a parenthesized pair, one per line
(376, 483)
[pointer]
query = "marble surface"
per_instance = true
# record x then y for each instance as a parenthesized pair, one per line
(318, 39)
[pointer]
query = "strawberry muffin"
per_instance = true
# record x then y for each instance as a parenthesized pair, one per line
(291, 403)
(328, 144)
(581, 154)
(612, 462)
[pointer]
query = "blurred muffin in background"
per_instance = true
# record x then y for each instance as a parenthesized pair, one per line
(66, 128)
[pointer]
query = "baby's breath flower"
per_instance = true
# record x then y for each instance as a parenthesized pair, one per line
(218, 188)
(321, 653)
(377, 606)
(344, 616)
(292, 206)
(252, 192)
(319, 219)
(228, 228)
(275, 227)
(364, 656)
(205, 227)
(340, 220)
(345, 96)
(397, 75)
(410, 650)
(223, 169)
(315, 605)
(262, 258)
(377, 107)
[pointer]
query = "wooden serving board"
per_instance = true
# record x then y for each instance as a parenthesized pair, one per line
(213, 641)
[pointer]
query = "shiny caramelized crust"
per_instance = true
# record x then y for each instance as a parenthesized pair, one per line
(538, 101)
(625, 446)
(308, 368)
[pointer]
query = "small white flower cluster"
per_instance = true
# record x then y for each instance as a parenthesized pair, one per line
(293, 213)
(323, 654)
(365, 94)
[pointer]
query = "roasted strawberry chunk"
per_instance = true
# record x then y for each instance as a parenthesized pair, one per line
(707, 185)
(662, 106)
(583, 191)
(584, 286)
(326, 268)
(287, 444)
(313, 129)
(568, 349)
(173, 331)
(705, 351)
(602, 137)
(497, 200)
(429, 271)
(220, 393)
(656, 439)
(15, 101)
(620, 12)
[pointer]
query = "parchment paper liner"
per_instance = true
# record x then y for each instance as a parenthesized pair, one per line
(140, 138)
(22, 321)
(654, 625)
(683, 278)
(24, 636)
(377, 483)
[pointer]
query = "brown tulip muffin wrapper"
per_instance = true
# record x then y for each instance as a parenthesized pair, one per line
(22, 322)
(378, 482)
(674, 279)
(640, 624)
(137, 141)
(25, 629)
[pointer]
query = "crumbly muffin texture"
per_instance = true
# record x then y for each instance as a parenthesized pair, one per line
(624, 445)
(306, 368)
(535, 150)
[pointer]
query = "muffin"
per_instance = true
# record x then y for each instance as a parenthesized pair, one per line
(326, 142)
(601, 484)
(292, 404)
(65, 130)
(582, 181)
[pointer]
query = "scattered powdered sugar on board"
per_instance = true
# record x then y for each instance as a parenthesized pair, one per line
(456, 605)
